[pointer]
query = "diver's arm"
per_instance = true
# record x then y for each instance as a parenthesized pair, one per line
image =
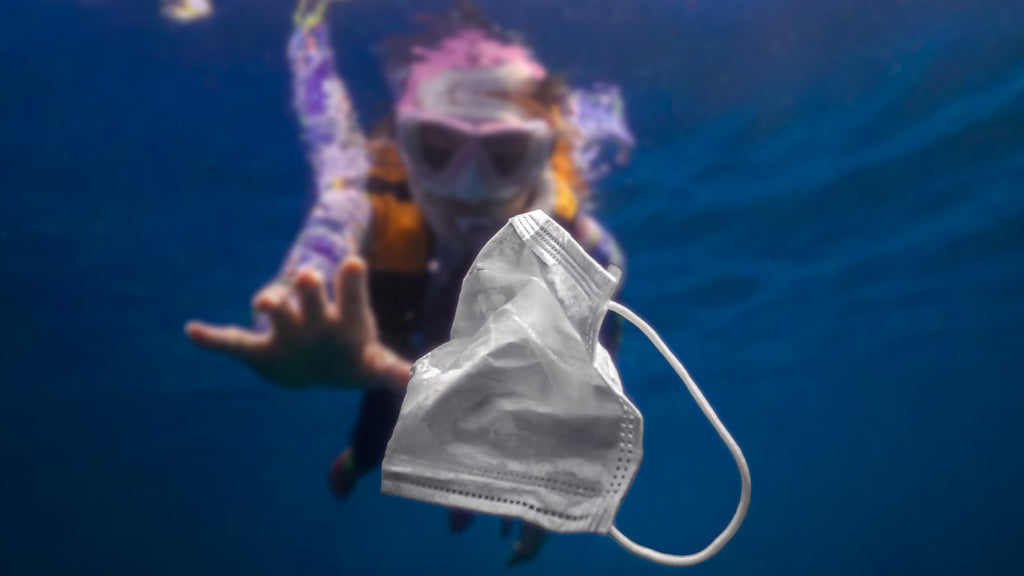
(391, 370)
(337, 150)
(335, 144)
(314, 322)
(338, 153)
(603, 248)
(312, 338)
(598, 123)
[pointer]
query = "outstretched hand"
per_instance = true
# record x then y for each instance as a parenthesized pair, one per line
(312, 339)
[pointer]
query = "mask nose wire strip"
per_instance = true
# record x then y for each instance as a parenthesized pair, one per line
(709, 412)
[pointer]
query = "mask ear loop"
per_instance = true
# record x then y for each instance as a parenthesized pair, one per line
(709, 412)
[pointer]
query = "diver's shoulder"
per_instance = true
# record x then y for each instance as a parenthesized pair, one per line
(597, 240)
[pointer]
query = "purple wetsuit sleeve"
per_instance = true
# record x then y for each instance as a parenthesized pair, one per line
(338, 154)
(601, 134)
(337, 224)
(335, 144)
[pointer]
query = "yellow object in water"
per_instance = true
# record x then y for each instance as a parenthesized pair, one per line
(186, 11)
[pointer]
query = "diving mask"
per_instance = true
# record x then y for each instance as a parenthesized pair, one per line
(474, 161)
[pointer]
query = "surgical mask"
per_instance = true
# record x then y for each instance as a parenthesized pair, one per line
(522, 413)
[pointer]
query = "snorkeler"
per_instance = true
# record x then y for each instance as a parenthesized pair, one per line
(481, 132)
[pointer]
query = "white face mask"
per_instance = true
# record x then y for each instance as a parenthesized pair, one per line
(522, 414)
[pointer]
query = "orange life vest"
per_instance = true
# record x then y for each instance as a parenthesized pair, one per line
(399, 238)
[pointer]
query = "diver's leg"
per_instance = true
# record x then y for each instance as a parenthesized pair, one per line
(531, 538)
(341, 475)
(378, 415)
(459, 520)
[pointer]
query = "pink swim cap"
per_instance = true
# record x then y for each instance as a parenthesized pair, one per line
(465, 74)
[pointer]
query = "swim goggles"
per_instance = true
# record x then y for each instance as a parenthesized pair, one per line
(472, 161)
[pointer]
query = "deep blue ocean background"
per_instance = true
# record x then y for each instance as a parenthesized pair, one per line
(824, 218)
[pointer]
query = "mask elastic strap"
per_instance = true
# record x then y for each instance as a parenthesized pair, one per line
(741, 462)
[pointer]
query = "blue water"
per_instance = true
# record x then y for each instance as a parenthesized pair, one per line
(824, 218)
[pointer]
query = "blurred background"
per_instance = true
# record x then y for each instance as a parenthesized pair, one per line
(824, 217)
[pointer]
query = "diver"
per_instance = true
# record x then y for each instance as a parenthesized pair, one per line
(481, 132)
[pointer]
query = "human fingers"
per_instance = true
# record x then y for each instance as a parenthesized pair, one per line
(353, 291)
(312, 296)
(277, 304)
(274, 291)
(232, 340)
